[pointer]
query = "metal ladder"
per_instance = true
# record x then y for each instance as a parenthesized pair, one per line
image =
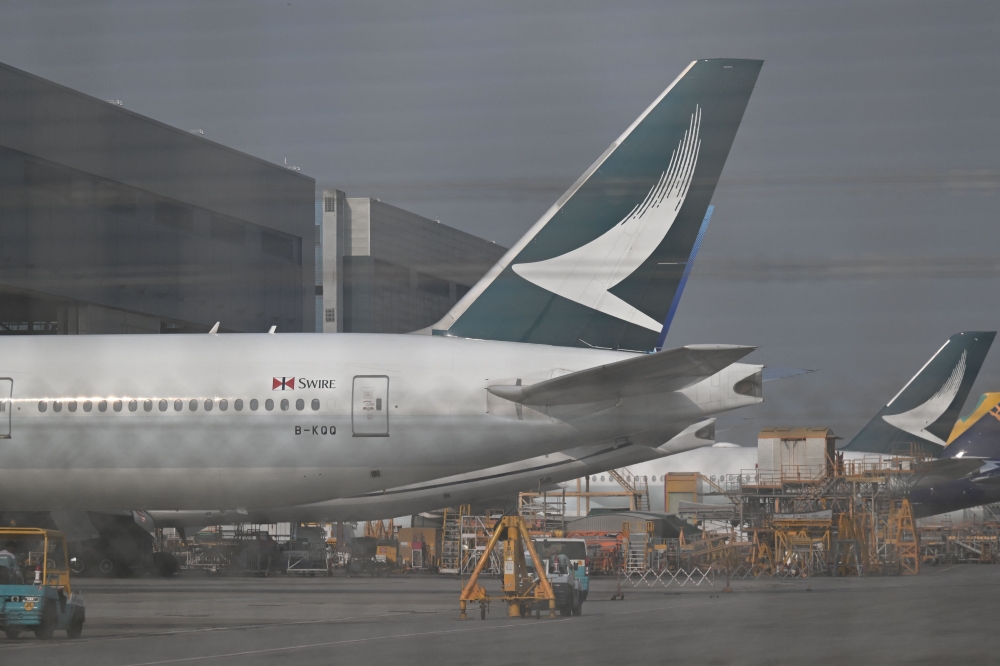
(635, 561)
(451, 539)
(638, 488)
(636, 546)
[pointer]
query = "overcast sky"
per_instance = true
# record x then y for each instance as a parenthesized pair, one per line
(856, 221)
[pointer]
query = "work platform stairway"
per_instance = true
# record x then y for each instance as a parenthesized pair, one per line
(636, 486)
(451, 539)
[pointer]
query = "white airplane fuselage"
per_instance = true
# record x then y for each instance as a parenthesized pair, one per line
(712, 462)
(156, 445)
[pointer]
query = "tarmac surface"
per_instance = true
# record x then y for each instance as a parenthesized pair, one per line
(946, 614)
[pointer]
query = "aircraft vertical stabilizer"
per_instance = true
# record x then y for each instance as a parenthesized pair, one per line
(602, 267)
(924, 412)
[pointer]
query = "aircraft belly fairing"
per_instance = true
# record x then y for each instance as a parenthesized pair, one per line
(501, 484)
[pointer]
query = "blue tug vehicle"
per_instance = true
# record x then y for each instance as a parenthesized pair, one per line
(35, 591)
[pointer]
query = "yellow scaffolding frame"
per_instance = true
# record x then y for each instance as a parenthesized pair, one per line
(904, 537)
(520, 589)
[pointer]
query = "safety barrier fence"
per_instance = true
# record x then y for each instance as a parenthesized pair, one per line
(677, 577)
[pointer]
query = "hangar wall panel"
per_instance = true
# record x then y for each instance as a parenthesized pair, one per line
(102, 206)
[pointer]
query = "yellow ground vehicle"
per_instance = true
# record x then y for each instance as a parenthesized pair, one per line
(35, 591)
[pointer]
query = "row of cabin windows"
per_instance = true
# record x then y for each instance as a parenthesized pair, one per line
(147, 405)
(594, 478)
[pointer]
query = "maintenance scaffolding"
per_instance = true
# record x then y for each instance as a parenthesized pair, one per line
(974, 540)
(842, 517)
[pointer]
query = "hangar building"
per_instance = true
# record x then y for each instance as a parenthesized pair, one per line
(381, 269)
(111, 222)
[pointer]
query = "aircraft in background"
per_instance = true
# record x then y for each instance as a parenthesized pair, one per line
(548, 352)
(922, 415)
(718, 462)
(976, 437)
(927, 406)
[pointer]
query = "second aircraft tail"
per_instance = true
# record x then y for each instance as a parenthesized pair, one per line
(924, 412)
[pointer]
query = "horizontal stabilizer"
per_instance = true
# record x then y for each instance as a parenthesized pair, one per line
(990, 478)
(668, 370)
(695, 436)
(932, 472)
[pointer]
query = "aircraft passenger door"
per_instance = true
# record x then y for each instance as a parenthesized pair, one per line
(370, 406)
(6, 389)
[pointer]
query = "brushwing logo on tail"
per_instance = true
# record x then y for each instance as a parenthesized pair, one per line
(917, 420)
(585, 275)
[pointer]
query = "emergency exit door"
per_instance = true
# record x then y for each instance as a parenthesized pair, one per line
(6, 388)
(370, 411)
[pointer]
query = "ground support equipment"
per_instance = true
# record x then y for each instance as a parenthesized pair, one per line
(522, 591)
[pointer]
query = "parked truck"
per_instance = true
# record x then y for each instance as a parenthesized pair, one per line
(565, 562)
(574, 549)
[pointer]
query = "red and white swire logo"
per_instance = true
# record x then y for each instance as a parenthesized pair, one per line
(283, 383)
